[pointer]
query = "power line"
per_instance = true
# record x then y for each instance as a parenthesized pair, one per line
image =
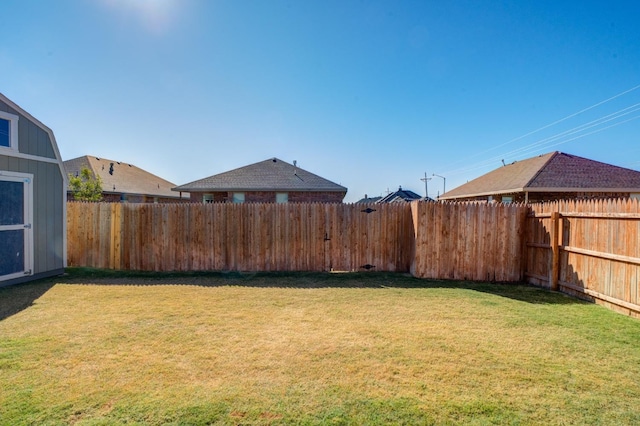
(547, 126)
(548, 141)
(532, 148)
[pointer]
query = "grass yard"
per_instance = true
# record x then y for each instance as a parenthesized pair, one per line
(95, 348)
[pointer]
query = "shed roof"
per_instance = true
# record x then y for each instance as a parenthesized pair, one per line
(54, 145)
(551, 172)
(123, 178)
(268, 175)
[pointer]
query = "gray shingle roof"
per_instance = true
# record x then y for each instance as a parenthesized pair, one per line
(124, 179)
(268, 175)
(552, 172)
(399, 195)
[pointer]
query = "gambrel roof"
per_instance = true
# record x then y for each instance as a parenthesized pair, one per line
(122, 178)
(552, 172)
(268, 175)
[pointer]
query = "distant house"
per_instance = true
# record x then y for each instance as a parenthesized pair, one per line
(123, 182)
(268, 181)
(550, 177)
(368, 200)
(33, 219)
(399, 196)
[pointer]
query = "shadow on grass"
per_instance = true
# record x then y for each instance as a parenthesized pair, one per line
(16, 298)
(310, 280)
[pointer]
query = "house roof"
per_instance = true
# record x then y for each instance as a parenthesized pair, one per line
(399, 195)
(124, 178)
(268, 175)
(552, 172)
(368, 200)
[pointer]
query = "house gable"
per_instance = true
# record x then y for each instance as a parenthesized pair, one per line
(550, 175)
(123, 178)
(268, 176)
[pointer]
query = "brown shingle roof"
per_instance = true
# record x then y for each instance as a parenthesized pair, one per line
(124, 179)
(268, 175)
(552, 172)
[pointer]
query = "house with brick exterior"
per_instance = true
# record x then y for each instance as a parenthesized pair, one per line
(124, 182)
(268, 181)
(550, 177)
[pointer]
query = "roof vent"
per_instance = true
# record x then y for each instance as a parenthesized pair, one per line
(274, 159)
(111, 169)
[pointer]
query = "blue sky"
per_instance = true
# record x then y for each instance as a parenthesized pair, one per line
(369, 94)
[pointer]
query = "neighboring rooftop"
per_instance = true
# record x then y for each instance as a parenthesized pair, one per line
(552, 172)
(268, 175)
(399, 195)
(122, 178)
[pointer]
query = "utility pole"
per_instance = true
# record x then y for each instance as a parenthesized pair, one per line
(425, 179)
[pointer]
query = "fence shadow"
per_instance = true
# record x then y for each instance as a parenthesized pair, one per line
(311, 280)
(16, 298)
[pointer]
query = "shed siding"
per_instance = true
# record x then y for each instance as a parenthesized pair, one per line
(48, 235)
(32, 139)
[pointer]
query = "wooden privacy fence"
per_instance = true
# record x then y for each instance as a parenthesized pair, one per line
(589, 249)
(432, 240)
(239, 237)
(481, 242)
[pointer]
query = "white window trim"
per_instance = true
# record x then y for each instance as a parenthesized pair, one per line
(207, 198)
(13, 131)
(27, 179)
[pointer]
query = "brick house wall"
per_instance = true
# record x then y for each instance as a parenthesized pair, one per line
(270, 197)
(538, 197)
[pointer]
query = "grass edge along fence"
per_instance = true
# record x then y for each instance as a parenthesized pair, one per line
(588, 249)
(430, 240)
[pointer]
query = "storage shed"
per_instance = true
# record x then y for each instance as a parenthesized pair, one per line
(32, 198)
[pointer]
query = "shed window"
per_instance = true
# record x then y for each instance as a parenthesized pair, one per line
(8, 130)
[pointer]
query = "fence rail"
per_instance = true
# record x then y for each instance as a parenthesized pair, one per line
(589, 249)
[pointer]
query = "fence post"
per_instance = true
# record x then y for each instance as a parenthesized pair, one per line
(555, 250)
(115, 246)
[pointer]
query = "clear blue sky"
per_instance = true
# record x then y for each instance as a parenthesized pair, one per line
(369, 94)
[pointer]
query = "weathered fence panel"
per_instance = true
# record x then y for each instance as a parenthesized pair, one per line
(472, 241)
(239, 237)
(598, 250)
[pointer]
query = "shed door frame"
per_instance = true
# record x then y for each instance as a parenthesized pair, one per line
(27, 224)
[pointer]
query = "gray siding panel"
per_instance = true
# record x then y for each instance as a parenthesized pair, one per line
(48, 212)
(32, 139)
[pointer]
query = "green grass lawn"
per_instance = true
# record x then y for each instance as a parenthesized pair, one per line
(106, 348)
